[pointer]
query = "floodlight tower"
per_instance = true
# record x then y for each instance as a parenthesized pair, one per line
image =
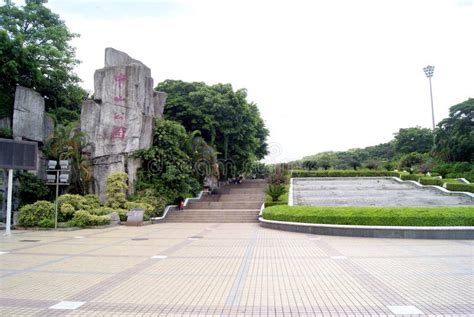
(429, 73)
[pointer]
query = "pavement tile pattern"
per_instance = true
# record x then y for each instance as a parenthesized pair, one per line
(230, 269)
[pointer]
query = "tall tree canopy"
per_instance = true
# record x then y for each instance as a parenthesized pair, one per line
(455, 134)
(415, 139)
(35, 53)
(227, 121)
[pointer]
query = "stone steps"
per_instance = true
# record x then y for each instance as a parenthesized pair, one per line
(238, 203)
(224, 205)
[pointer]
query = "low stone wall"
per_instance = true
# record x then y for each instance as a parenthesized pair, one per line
(461, 233)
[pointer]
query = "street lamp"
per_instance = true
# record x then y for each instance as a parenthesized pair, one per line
(429, 73)
(57, 177)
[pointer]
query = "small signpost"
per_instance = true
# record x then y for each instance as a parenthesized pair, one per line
(135, 217)
(20, 155)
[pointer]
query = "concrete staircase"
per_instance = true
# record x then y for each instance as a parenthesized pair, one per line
(233, 203)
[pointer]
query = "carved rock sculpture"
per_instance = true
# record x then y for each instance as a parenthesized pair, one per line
(121, 117)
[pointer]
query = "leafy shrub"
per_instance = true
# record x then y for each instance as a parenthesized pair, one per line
(460, 187)
(116, 186)
(158, 202)
(92, 201)
(431, 181)
(6, 133)
(83, 218)
(46, 223)
(149, 209)
(275, 191)
(32, 188)
(32, 214)
(343, 173)
(411, 177)
(101, 211)
(78, 202)
(66, 212)
(122, 214)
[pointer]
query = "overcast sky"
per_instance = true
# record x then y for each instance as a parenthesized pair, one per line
(326, 75)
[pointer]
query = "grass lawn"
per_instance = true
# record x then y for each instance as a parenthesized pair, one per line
(375, 216)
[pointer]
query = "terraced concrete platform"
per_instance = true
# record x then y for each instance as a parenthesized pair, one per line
(196, 269)
(369, 192)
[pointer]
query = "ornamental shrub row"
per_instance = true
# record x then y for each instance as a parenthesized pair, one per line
(375, 216)
(460, 187)
(431, 181)
(342, 173)
(83, 218)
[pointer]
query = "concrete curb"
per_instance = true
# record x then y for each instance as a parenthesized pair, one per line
(451, 233)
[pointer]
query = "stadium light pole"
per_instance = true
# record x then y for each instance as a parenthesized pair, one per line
(429, 73)
(429, 70)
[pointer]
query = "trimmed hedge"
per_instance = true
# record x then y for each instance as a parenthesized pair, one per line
(460, 187)
(374, 216)
(431, 181)
(411, 177)
(342, 173)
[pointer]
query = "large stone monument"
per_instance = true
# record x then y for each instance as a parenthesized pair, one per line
(121, 117)
(29, 119)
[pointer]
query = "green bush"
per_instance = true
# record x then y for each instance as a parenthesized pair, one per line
(101, 211)
(83, 218)
(32, 214)
(460, 187)
(92, 201)
(46, 223)
(374, 216)
(116, 187)
(122, 214)
(343, 173)
(6, 133)
(275, 191)
(411, 177)
(78, 202)
(32, 188)
(431, 181)
(66, 212)
(149, 196)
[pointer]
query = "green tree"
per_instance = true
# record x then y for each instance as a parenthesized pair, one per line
(35, 53)
(68, 143)
(226, 120)
(411, 160)
(455, 134)
(167, 167)
(415, 139)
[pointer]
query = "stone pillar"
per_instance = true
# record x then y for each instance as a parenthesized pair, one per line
(120, 120)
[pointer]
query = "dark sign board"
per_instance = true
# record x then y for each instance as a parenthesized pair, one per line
(18, 155)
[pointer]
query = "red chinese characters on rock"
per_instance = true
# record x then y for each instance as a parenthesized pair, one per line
(120, 78)
(119, 116)
(118, 133)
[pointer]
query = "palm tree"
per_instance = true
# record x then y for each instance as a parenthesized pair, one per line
(67, 143)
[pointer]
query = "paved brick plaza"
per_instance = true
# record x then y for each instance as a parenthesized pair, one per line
(230, 269)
